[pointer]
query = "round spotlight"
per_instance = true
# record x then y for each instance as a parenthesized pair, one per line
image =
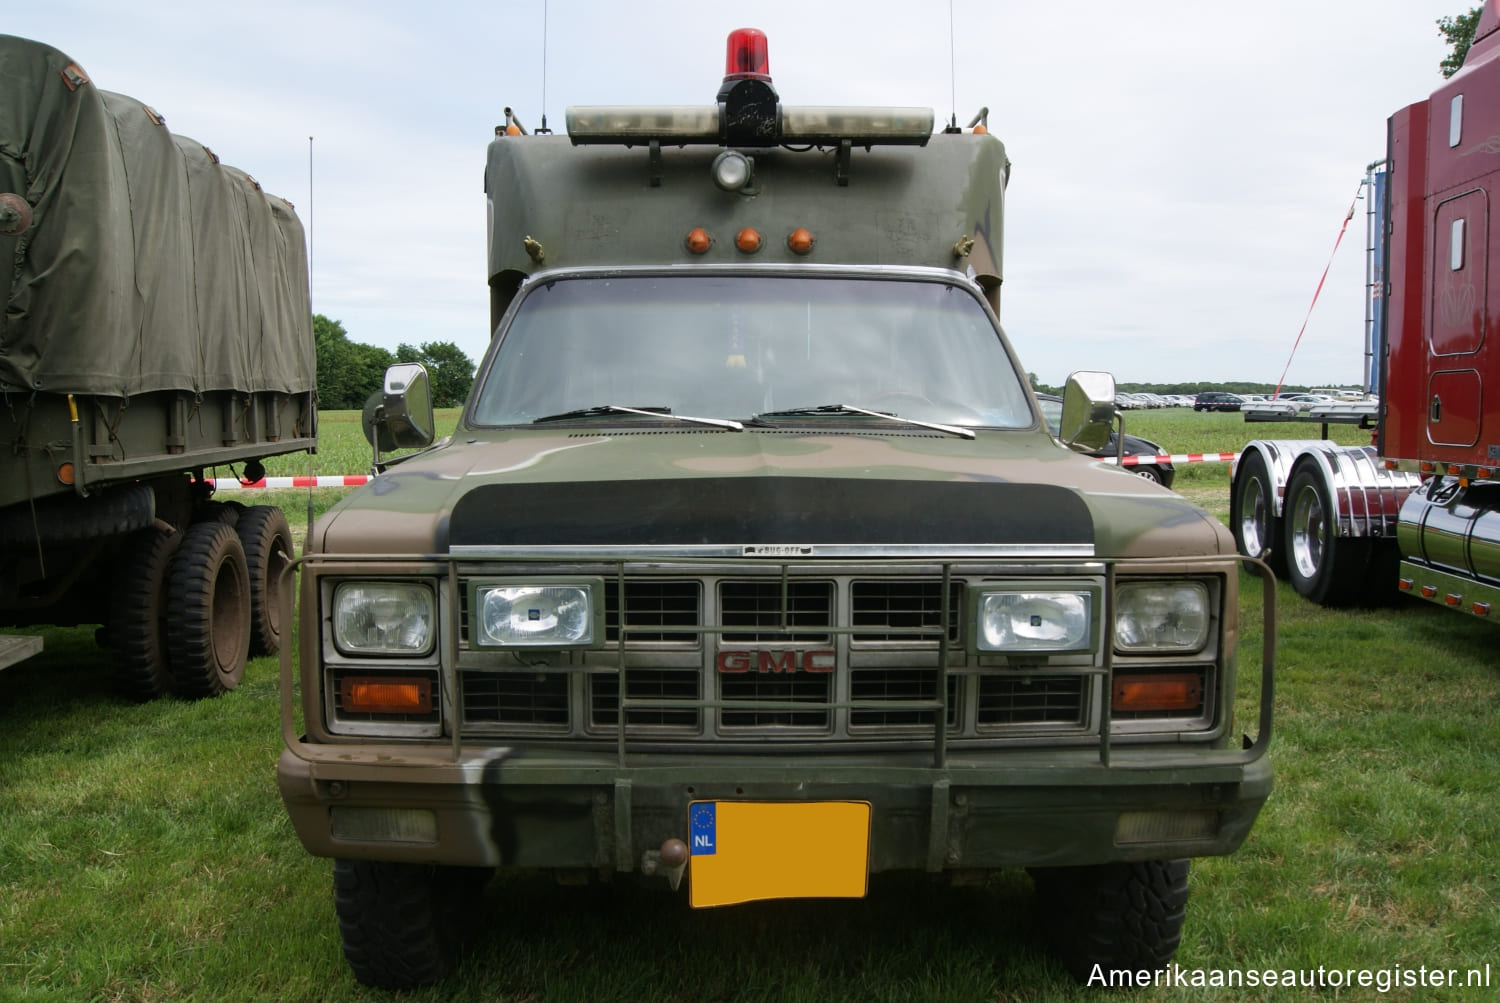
(732, 170)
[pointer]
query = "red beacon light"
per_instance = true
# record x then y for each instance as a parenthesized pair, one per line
(747, 56)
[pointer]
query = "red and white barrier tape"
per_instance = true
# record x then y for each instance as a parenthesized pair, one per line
(332, 481)
(1131, 461)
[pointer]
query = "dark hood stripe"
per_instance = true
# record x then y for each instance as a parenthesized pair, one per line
(769, 510)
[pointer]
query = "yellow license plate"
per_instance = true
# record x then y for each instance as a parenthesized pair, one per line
(742, 851)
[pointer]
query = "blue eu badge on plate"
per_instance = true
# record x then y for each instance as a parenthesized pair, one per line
(703, 824)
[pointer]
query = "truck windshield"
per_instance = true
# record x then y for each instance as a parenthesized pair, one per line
(741, 346)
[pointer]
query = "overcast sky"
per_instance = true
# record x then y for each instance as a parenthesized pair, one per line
(1182, 169)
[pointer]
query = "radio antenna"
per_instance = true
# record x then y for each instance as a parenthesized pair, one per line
(544, 130)
(952, 70)
(311, 457)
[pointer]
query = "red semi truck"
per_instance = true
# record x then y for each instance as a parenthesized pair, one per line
(1419, 510)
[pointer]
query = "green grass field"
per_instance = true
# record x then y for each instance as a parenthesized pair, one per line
(144, 853)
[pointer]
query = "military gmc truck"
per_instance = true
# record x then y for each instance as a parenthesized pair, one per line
(752, 567)
(155, 325)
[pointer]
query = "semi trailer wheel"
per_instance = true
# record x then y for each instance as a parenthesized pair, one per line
(1324, 567)
(1252, 514)
(208, 620)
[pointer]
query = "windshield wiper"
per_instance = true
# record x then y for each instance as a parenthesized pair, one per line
(649, 412)
(965, 433)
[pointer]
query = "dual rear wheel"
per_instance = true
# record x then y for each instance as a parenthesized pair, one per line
(191, 606)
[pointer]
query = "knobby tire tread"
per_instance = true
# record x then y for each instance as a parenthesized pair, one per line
(404, 925)
(1121, 916)
(137, 614)
(207, 548)
(266, 537)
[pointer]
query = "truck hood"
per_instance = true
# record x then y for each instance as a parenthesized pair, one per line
(764, 491)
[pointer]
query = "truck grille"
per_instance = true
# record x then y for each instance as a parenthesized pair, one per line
(839, 657)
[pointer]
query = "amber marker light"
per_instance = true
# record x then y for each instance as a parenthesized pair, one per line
(800, 240)
(65, 473)
(386, 695)
(747, 240)
(698, 241)
(1157, 693)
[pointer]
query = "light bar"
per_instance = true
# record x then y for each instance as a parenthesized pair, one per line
(671, 125)
(861, 126)
(682, 125)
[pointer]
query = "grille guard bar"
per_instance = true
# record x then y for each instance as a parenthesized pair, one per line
(1252, 751)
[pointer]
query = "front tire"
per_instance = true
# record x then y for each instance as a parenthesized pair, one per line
(1321, 565)
(404, 925)
(1113, 917)
(208, 622)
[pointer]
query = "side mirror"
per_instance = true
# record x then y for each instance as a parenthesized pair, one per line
(399, 415)
(1088, 413)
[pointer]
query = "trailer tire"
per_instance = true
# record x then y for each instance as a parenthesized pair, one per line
(267, 539)
(1252, 514)
(208, 623)
(137, 626)
(1326, 568)
(1113, 916)
(404, 925)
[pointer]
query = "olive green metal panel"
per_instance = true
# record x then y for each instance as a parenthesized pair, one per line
(901, 206)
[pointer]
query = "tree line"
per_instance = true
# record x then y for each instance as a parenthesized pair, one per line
(349, 371)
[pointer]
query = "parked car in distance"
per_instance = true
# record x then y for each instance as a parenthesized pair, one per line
(1305, 402)
(1161, 473)
(1217, 400)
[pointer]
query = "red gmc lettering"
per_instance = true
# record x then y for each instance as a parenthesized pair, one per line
(732, 661)
(778, 661)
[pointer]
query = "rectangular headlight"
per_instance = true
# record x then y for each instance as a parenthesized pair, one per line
(383, 618)
(520, 614)
(1161, 616)
(1035, 621)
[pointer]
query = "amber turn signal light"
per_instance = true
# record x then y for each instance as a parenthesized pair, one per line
(385, 695)
(1157, 693)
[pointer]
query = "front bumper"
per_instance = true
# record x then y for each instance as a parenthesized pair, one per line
(568, 810)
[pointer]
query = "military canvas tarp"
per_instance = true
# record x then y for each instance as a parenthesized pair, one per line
(148, 265)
